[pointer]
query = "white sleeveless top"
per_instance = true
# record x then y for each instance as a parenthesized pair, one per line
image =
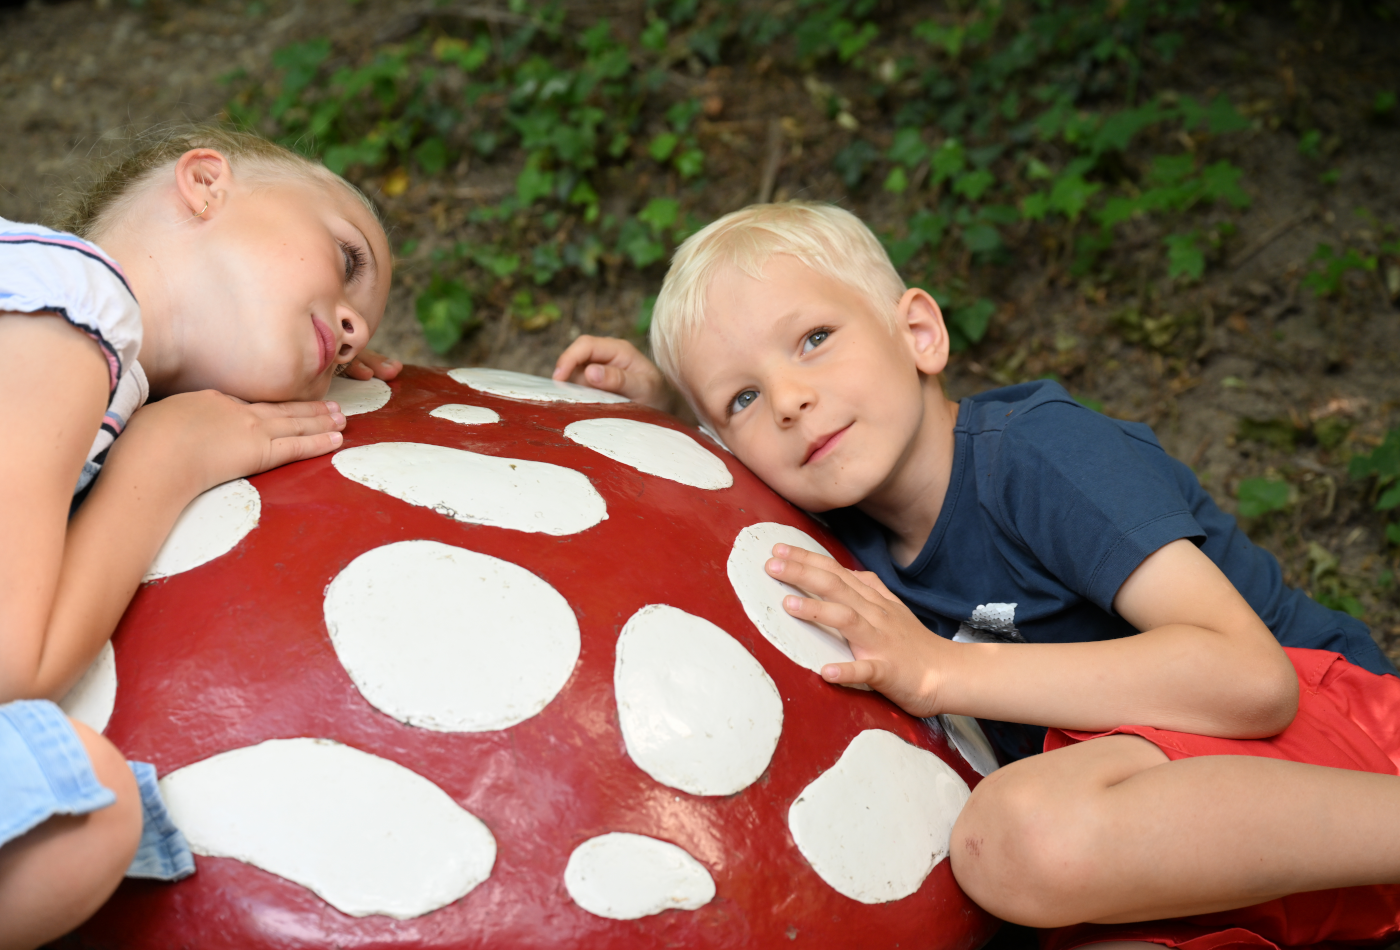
(49, 271)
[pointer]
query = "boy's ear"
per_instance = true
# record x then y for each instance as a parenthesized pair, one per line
(203, 178)
(922, 321)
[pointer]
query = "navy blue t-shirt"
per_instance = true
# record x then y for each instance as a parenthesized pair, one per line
(1050, 507)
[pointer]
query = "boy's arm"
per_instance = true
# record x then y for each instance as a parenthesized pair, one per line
(65, 583)
(615, 366)
(1204, 663)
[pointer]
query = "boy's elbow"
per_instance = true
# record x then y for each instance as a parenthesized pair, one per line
(1274, 698)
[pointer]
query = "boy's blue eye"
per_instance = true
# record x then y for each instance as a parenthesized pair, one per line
(742, 401)
(815, 339)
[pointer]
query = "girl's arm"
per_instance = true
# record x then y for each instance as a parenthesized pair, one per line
(64, 584)
(1204, 663)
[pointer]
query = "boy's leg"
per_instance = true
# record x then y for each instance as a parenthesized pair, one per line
(57, 875)
(1111, 831)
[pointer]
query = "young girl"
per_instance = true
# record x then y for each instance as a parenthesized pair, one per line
(242, 276)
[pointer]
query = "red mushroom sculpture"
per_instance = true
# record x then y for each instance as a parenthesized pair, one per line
(505, 671)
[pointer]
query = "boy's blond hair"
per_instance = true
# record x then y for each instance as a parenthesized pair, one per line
(830, 240)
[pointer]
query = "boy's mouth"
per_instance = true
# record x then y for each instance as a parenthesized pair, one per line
(824, 445)
(327, 341)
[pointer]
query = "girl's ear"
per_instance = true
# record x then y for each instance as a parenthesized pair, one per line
(922, 323)
(203, 178)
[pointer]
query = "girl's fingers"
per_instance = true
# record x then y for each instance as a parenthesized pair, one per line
(296, 448)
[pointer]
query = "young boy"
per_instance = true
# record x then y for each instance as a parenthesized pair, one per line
(1105, 586)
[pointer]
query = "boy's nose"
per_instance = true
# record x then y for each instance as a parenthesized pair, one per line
(791, 400)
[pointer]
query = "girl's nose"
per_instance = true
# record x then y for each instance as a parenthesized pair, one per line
(354, 334)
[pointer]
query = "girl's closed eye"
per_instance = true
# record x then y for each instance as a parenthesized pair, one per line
(354, 261)
(742, 401)
(815, 339)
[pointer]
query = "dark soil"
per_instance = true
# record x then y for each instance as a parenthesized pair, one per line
(1244, 374)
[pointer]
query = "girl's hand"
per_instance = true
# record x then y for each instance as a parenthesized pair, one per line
(615, 366)
(207, 438)
(895, 653)
(369, 364)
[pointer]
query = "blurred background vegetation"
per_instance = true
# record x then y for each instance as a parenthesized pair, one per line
(1186, 211)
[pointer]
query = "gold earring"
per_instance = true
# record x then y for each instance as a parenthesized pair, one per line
(201, 210)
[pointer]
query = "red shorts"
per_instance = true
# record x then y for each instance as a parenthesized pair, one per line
(1348, 718)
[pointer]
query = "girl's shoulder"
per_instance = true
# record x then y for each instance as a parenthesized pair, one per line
(42, 270)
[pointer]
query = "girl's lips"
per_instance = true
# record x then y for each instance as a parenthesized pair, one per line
(824, 446)
(327, 340)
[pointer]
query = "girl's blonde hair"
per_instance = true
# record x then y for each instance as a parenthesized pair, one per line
(105, 196)
(830, 240)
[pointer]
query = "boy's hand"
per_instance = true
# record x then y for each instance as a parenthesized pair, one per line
(369, 364)
(614, 366)
(895, 653)
(206, 438)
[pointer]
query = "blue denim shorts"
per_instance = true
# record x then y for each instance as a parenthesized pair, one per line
(45, 771)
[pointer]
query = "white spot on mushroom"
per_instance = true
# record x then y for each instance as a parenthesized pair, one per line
(806, 644)
(874, 824)
(92, 698)
(500, 382)
(625, 876)
(356, 396)
(697, 711)
(478, 489)
(366, 834)
(448, 639)
(653, 449)
(209, 527)
(466, 415)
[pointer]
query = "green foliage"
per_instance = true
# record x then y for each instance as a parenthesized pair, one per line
(1328, 279)
(1384, 465)
(1259, 496)
(1009, 119)
(445, 311)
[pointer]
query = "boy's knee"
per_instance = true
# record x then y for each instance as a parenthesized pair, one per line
(118, 825)
(1017, 855)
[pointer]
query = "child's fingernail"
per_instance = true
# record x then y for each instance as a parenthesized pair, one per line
(792, 603)
(332, 406)
(338, 418)
(781, 550)
(831, 672)
(337, 438)
(774, 566)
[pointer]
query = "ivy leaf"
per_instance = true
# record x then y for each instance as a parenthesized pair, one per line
(948, 160)
(1259, 496)
(1035, 206)
(1221, 117)
(663, 145)
(897, 181)
(972, 185)
(659, 214)
(908, 148)
(1184, 255)
(1389, 499)
(1221, 181)
(445, 312)
(1071, 194)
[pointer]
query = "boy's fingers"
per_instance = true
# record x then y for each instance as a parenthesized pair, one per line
(871, 580)
(606, 378)
(857, 671)
(838, 616)
(828, 580)
(586, 349)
